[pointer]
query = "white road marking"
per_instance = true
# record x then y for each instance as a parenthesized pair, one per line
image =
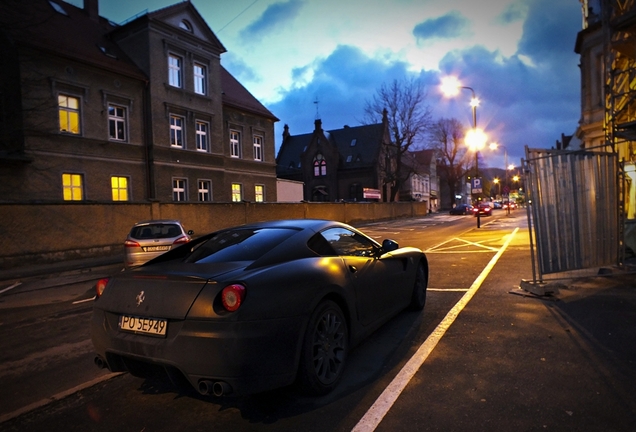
(370, 421)
(11, 287)
(462, 243)
(85, 300)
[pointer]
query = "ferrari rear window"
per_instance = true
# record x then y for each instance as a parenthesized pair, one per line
(239, 245)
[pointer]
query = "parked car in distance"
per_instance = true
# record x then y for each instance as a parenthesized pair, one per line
(255, 307)
(461, 209)
(482, 209)
(149, 239)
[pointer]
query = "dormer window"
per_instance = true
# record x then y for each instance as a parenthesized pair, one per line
(353, 142)
(185, 25)
(106, 51)
(59, 9)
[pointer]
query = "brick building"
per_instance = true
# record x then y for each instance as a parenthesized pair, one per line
(345, 164)
(144, 111)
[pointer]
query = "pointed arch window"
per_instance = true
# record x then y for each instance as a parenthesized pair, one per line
(320, 166)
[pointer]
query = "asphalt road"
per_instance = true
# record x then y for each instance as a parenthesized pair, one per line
(484, 355)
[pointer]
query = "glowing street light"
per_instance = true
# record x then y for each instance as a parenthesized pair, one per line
(475, 138)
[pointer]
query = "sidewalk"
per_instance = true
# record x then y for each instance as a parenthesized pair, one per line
(59, 268)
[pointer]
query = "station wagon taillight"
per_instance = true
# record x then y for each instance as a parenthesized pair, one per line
(131, 243)
(182, 239)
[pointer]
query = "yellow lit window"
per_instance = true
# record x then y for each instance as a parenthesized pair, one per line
(237, 196)
(69, 114)
(72, 186)
(119, 187)
(259, 193)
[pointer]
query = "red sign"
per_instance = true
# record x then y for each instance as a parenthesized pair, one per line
(369, 193)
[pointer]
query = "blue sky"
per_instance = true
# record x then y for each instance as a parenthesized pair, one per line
(517, 55)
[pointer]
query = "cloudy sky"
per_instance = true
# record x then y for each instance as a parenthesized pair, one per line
(517, 55)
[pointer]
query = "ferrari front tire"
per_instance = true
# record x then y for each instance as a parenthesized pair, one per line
(418, 298)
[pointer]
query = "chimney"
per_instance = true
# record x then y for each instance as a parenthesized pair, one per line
(91, 7)
(285, 132)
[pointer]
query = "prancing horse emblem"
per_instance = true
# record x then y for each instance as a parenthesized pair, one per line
(140, 298)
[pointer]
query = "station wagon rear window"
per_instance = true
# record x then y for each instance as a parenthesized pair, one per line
(155, 231)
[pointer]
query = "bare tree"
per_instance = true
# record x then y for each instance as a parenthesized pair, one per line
(447, 137)
(409, 120)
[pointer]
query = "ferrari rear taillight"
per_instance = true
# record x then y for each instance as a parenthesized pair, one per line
(182, 239)
(131, 243)
(100, 286)
(232, 297)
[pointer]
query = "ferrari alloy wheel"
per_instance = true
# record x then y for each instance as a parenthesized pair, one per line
(325, 349)
(418, 298)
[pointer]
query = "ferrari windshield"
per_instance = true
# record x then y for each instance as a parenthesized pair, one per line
(239, 245)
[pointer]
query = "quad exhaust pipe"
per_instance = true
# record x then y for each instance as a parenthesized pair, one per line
(100, 362)
(217, 388)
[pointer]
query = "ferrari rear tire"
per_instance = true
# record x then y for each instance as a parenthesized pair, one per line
(418, 298)
(324, 351)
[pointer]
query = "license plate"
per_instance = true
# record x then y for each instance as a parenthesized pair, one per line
(150, 326)
(156, 248)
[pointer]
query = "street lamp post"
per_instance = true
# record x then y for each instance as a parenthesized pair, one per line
(475, 138)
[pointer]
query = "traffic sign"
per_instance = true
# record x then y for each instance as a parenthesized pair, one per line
(476, 185)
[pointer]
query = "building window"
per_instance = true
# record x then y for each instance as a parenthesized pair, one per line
(235, 144)
(179, 189)
(174, 70)
(176, 131)
(205, 190)
(69, 114)
(320, 166)
(202, 136)
(258, 148)
(237, 192)
(199, 79)
(259, 193)
(185, 25)
(119, 186)
(117, 122)
(72, 185)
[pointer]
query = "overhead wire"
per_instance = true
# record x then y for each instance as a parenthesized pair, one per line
(241, 13)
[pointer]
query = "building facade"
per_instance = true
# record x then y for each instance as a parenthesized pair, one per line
(347, 164)
(422, 182)
(143, 111)
(607, 48)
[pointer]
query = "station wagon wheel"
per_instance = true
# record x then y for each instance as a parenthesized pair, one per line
(324, 350)
(418, 298)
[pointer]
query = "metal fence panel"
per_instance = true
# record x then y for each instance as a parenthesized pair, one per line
(574, 205)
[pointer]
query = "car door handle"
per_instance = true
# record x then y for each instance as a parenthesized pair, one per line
(353, 269)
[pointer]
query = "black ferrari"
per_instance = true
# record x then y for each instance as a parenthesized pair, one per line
(255, 307)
